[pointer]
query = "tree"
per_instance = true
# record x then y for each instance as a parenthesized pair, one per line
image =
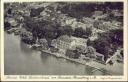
(116, 36)
(79, 32)
(108, 42)
(97, 23)
(36, 12)
(102, 46)
(73, 54)
(88, 31)
(68, 30)
(7, 26)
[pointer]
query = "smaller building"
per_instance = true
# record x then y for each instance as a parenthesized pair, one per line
(78, 42)
(117, 13)
(97, 14)
(12, 22)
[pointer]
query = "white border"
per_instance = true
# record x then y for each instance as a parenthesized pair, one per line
(88, 78)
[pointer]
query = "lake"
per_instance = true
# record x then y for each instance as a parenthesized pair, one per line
(19, 59)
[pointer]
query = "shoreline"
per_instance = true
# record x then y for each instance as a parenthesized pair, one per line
(108, 69)
(83, 62)
(94, 64)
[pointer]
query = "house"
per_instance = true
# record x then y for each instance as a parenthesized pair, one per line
(117, 13)
(97, 14)
(87, 20)
(116, 24)
(26, 12)
(12, 22)
(78, 42)
(65, 42)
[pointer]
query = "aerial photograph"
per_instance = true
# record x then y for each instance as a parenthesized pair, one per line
(63, 38)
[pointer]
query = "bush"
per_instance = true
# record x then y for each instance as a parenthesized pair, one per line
(80, 32)
(7, 26)
(36, 12)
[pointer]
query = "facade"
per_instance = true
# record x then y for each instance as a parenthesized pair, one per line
(78, 42)
(67, 45)
(12, 21)
(63, 42)
(66, 42)
(117, 13)
(97, 14)
(60, 44)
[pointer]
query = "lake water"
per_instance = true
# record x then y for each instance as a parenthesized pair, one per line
(21, 60)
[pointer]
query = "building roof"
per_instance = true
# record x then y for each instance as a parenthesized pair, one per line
(65, 38)
(12, 21)
(79, 39)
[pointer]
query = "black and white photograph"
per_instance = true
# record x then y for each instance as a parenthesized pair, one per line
(64, 38)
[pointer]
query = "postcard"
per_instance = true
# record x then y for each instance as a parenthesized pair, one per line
(64, 40)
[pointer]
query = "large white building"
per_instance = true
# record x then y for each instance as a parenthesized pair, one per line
(68, 42)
